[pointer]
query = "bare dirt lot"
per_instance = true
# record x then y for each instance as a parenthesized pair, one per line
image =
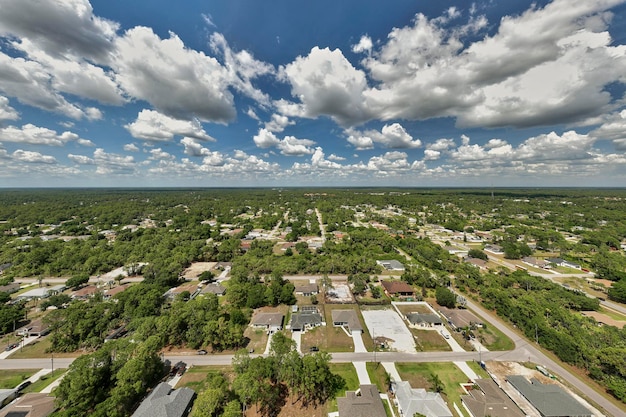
(196, 268)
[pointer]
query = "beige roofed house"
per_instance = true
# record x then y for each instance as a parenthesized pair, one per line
(365, 402)
(490, 400)
(272, 322)
(348, 319)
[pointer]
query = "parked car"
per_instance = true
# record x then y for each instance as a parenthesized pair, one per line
(178, 368)
(11, 347)
(22, 386)
(314, 349)
(202, 352)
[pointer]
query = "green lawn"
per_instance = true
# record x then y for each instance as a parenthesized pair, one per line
(494, 339)
(430, 340)
(348, 373)
(45, 380)
(196, 376)
(38, 349)
(450, 375)
(479, 371)
(11, 378)
(612, 314)
(378, 375)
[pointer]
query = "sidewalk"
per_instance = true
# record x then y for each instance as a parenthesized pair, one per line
(5, 354)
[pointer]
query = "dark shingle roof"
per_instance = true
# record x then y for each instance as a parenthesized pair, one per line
(303, 318)
(415, 318)
(163, 402)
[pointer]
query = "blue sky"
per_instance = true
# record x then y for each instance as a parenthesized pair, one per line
(284, 93)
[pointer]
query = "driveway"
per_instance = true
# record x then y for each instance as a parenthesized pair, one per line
(387, 323)
(6, 353)
(357, 338)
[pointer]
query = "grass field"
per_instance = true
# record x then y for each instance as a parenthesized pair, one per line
(478, 370)
(378, 375)
(450, 375)
(413, 308)
(38, 349)
(258, 339)
(493, 339)
(429, 340)
(348, 373)
(45, 380)
(196, 376)
(612, 314)
(11, 378)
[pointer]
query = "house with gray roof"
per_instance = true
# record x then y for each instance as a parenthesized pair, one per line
(489, 400)
(549, 399)
(163, 401)
(391, 265)
(424, 320)
(418, 400)
(364, 402)
(41, 292)
(213, 288)
(305, 319)
(347, 319)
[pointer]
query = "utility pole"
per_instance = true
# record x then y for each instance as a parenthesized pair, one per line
(374, 339)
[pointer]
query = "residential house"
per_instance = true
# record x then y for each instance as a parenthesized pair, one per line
(307, 290)
(549, 399)
(364, 402)
(41, 292)
(564, 263)
(391, 265)
(163, 401)
(271, 322)
(477, 262)
(214, 288)
(418, 400)
(191, 287)
(453, 250)
(495, 249)
(85, 293)
(307, 318)
(487, 399)
(347, 319)
(10, 288)
(34, 328)
(537, 263)
(112, 292)
(460, 318)
(32, 404)
(398, 289)
(424, 320)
